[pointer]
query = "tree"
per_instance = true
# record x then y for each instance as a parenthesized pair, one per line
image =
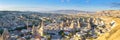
(62, 33)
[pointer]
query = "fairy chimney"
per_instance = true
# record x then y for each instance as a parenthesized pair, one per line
(5, 35)
(40, 30)
(72, 25)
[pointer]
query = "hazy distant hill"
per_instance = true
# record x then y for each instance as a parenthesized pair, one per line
(113, 13)
(69, 11)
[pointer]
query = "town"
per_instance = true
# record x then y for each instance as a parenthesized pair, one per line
(16, 25)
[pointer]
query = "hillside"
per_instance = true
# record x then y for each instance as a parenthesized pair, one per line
(112, 13)
(114, 33)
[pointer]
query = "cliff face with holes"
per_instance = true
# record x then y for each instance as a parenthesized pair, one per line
(114, 32)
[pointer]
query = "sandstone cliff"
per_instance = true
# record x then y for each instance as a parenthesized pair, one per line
(114, 33)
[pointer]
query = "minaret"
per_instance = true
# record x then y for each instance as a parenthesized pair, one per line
(5, 35)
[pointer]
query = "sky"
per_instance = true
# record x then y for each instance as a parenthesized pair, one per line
(48, 5)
